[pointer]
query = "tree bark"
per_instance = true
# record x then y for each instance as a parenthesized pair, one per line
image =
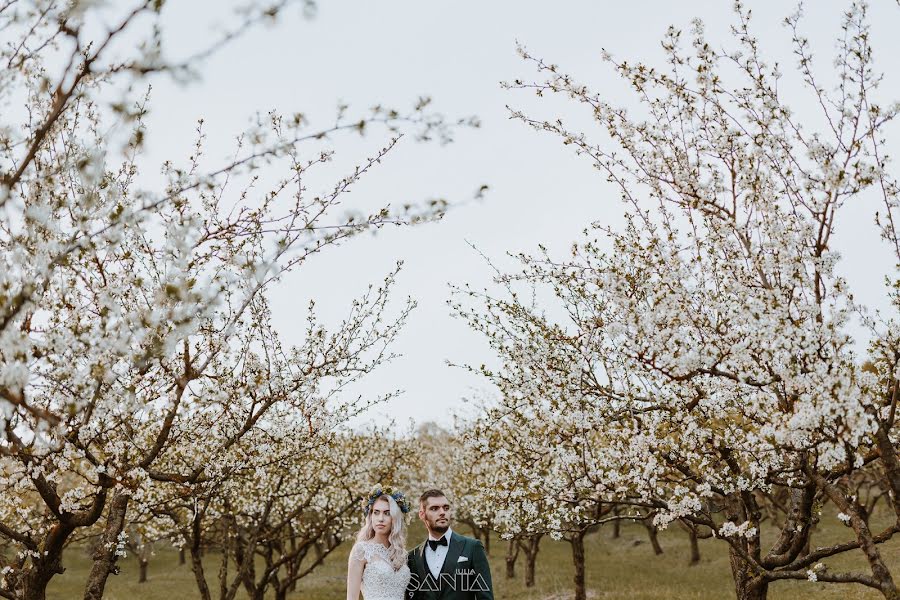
(245, 563)
(741, 507)
(695, 547)
(891, 463)
(293, 575)
(532, 546)
(867, 543)
(181, 558)
(293, 565)
(223, 568)
(693, 538)
(616, 524)
(142, 564)
(45, 567)
(653, 533)
(577, 542)
(49, 561)
(106, 554)
(747, 584)
(196, 562)
(512, 555)
(795, 530)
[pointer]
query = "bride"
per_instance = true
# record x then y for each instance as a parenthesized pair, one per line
(378, 559)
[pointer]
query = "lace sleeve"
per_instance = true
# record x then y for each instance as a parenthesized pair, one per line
(360, 552)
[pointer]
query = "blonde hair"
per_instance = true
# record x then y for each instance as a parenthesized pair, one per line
(397, 536)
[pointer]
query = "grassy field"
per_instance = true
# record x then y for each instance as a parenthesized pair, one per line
(622, 568)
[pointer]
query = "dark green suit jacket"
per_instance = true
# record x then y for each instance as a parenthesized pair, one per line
(465, 575)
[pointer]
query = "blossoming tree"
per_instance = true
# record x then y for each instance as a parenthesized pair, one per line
(135, 344)
(538, 485)
(707, 348)
(284, 511)
(444, 460)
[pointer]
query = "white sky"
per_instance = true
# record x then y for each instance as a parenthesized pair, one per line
(392, 51)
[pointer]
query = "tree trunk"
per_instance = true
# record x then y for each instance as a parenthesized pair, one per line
(616, 524)
(181, 559)
(532, 546)
(487, 542)
(292, 566)
(245, 563)
(891, 463)
(512, 555)
(867, 543)
(695, 547)
(292, 586)
(653, 533)
(49, 562)
(692, 536)
(43, 568)
(223, 568)
(142, 564)
(577, 542)
(747, 584)
(196, 562)
(107, 552)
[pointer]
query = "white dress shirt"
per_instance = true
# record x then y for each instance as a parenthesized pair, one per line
(434, 559)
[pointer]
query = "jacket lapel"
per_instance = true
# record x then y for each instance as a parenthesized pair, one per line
(420, 561)
(453, 552)
(424, 573)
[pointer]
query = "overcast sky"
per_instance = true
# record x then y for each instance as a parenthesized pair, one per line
(390, 51)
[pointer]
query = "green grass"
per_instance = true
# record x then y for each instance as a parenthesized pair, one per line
(622, 568)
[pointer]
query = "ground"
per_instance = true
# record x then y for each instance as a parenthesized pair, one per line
(622, 568)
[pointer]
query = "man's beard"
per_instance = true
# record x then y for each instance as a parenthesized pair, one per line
(441, 529)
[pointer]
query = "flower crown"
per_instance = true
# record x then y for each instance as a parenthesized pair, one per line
(378, 491)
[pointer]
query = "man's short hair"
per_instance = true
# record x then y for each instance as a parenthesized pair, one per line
(432, 493)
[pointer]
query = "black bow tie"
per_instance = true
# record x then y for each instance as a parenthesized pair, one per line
(435, 543)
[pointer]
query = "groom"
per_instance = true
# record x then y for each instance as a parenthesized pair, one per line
(447, 566)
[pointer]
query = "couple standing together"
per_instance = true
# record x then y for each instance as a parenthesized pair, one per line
(447, 566)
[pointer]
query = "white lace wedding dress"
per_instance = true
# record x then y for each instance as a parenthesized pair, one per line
(380, 581)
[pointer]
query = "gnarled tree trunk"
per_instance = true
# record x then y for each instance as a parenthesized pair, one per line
(107, 552)
(748, 585)
(45, 567)
(867, 544)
